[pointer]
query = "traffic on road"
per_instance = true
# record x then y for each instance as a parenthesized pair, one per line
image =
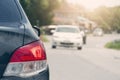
(93, 62)
(59, 39)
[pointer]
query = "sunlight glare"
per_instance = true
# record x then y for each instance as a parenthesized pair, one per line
(92, 4)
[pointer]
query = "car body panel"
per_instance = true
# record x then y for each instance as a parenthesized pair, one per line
(10, 39)
(14, 35)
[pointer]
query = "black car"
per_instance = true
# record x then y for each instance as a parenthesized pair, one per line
(22, 54)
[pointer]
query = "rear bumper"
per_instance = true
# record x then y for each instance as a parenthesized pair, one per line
(41, 76)
(69, 43)
(63, 44)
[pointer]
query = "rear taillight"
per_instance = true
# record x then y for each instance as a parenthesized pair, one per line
(27, 61)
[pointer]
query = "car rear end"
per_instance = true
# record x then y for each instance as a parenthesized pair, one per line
(67, 36)
(22, 55)
(64, 41)
(98, 32)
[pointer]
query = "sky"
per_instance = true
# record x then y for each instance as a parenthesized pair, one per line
(92, 4)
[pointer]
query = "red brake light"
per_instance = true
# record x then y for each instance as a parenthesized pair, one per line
(30, 52)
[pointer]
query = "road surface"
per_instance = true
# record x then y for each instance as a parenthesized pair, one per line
(93, 62)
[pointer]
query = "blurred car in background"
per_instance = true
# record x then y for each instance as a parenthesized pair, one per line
(98, 32)
(118, 31)
(48, 29)
(67, 36)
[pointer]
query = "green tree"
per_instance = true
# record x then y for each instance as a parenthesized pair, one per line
(40, 12)
(106, 17)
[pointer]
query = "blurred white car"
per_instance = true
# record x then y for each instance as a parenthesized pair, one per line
(67, 36)
(98, 32)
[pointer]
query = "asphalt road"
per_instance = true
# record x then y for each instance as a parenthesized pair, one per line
(93, 62)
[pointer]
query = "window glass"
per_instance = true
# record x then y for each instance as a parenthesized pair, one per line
(9, 11)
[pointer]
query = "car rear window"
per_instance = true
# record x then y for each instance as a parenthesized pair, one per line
(9, 11)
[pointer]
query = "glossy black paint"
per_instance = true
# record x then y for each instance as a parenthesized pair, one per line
(14, 35)
(10, 39)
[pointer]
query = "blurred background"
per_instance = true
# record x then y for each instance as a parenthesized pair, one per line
(88, 13)
(99, 23)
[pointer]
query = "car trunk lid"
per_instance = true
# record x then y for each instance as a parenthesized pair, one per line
(11, 38)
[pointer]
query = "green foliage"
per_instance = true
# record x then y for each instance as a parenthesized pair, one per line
(40, 12)
(113, 45)
(44, 38)
(107, 17)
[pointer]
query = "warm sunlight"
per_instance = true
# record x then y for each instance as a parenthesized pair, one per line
(92, 4)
